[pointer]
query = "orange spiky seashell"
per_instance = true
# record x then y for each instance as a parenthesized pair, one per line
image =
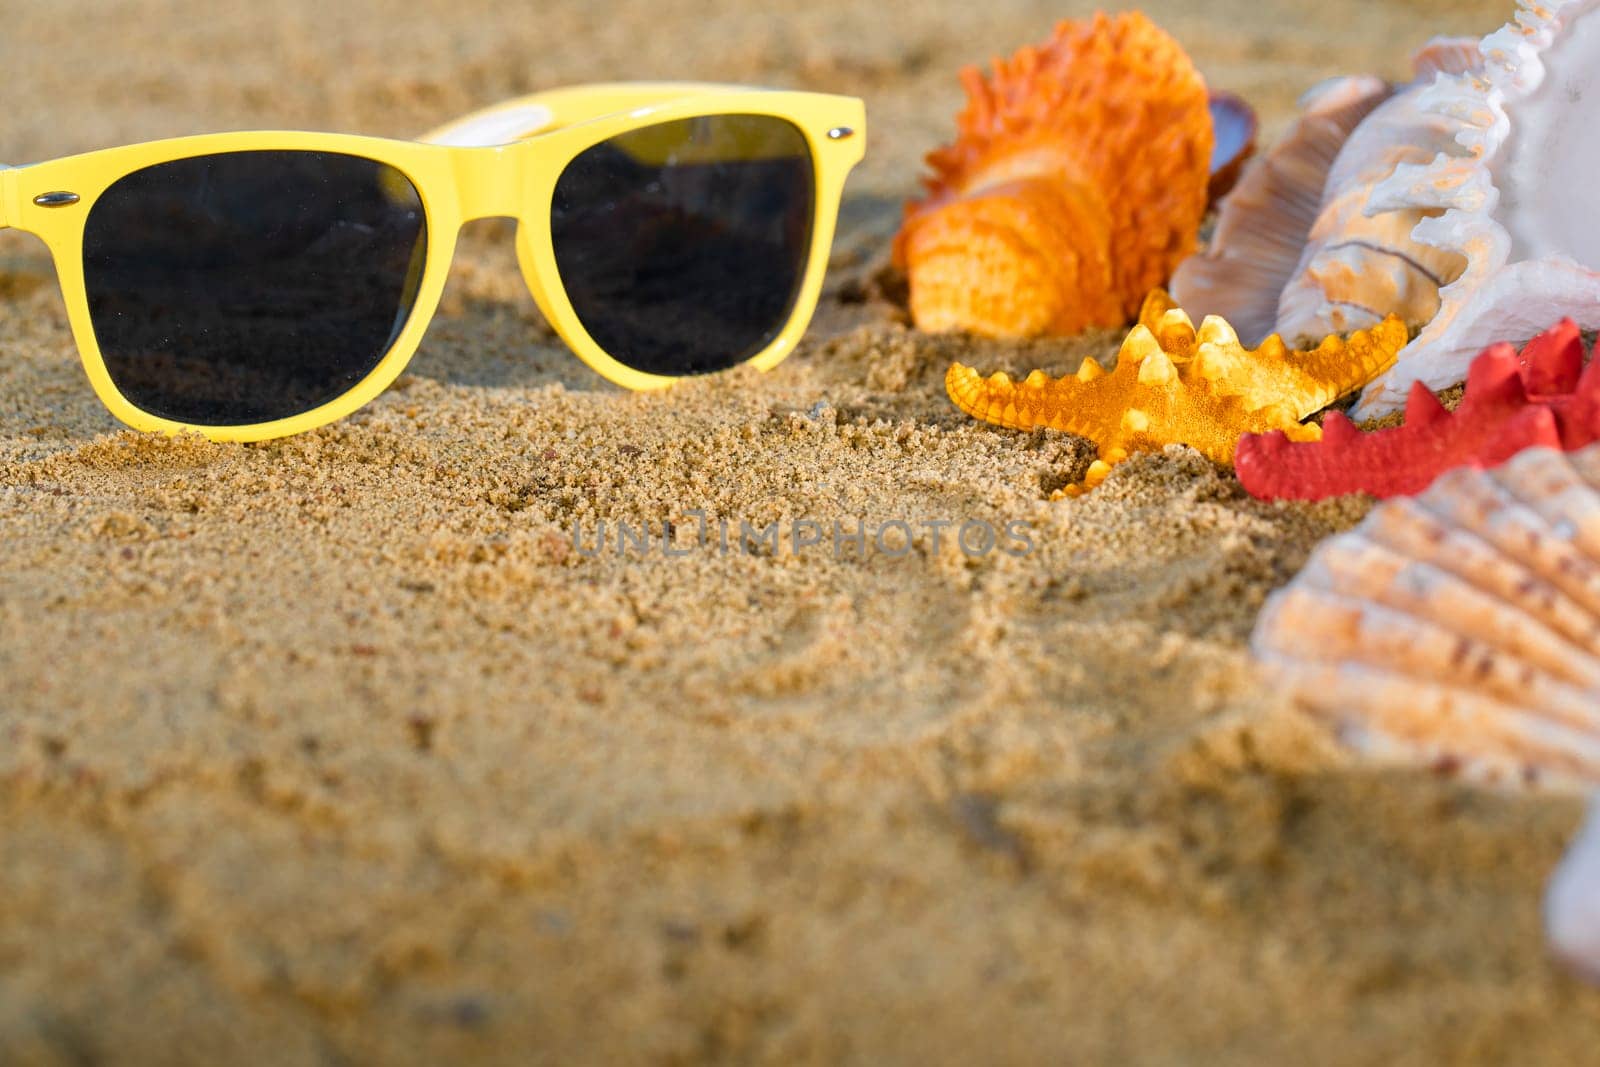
(1076, 184)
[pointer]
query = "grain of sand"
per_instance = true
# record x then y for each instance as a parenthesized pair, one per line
(335, 750)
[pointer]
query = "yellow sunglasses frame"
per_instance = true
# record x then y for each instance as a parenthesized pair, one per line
(459, 179)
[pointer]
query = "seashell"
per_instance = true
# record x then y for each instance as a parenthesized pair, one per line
(1542, 397)
(1077, 182)
(1511, 194)
(1572, 903)
(1174, 384)
(1234, 128)
(1458, 630)
(1298, 250)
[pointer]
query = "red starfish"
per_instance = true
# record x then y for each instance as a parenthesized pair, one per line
(1542, 398)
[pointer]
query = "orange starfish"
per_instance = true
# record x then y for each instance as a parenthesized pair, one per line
(1176, 385)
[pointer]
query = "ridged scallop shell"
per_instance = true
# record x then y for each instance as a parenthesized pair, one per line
(1076, 184)
(1297, 250)
(1460, 629)
(1516, 192)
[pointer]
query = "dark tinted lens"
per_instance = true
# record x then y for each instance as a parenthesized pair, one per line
(682, 246)
(251, 286)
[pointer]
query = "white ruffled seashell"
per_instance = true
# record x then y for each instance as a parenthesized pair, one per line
(1297, 250)
(1514, 192)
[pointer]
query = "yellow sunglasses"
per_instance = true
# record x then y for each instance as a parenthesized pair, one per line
(248, 286)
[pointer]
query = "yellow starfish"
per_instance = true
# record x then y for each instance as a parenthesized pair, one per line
(1176, 385)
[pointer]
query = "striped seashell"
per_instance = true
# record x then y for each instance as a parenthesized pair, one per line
(1459, 629)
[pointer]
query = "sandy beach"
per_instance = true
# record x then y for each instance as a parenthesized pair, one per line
(339, 749)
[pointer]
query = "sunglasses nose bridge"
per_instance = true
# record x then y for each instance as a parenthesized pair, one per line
(489, 182)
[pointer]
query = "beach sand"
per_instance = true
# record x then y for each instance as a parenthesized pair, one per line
(337, 749)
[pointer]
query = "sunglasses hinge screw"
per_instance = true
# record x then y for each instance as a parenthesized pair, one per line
(839, 133)
(57, 199)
